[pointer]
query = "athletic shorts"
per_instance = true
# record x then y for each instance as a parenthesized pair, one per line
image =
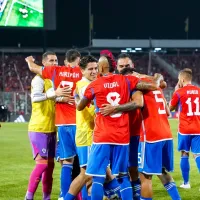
(83, 155)
(101, 155)
(133, 151)
(43, 144)
(152, 157)
(67, 147)
(189, 142)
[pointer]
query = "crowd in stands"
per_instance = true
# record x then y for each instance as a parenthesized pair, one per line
(18, 77)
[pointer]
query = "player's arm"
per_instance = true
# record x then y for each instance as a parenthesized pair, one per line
(174, 101)
(152, 85)
(88, 96)
(135, 103)
(167, 108)
(38, 94)
(32, 66)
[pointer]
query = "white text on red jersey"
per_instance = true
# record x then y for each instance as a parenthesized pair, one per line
(111, 85)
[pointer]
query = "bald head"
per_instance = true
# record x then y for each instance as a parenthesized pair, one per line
(103, 65)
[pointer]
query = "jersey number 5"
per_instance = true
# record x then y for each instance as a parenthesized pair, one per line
(189, 103)
(114, 98)
(159, 100)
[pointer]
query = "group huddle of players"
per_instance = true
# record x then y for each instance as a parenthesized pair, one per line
(115, 120)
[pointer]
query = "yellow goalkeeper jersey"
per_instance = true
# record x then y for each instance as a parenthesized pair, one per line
(84, 118)
(43, 110)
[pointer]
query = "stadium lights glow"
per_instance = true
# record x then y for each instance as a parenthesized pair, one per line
(157, 49)
(124, 51)
(133, 51)
(138, 49)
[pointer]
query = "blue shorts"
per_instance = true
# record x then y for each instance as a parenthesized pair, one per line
(133, 151)
(58, 151)
(152, 157)
(102, 155)
(187, 142)
(67, 147)
(83, 155)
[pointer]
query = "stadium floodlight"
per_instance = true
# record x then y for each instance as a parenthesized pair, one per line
(157, 49)
(124, 51)
(133, 51)
(138, 49)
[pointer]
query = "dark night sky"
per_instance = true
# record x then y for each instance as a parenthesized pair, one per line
(128, 19)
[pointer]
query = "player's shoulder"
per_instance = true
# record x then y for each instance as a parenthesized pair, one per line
(37, 78)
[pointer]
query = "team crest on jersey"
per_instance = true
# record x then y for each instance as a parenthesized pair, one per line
(44, 150)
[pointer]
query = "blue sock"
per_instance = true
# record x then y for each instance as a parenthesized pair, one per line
(84, 193)
(97, 188)
(66, 178)
(172, 191)
(89, 198)
(112, 188)
(69, 197)
(197, 159)
(143, 198)
(136, 185)
(126, 189)
(185, 168)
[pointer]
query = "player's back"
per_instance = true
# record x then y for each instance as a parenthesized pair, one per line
(66, 76)
(189, 109)
(114, 90)
(135, 122)
(155, 120)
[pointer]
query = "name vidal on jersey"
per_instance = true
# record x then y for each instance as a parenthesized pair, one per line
(68, 74)
(111, 85)
(192, 92)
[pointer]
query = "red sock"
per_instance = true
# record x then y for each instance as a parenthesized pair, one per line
(47, 180)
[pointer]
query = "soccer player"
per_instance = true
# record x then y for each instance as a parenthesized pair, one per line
(84, 125)
(111, 133)
(124, 60)
(186, 98)
(42, 129)
(139, 122)
(65, 113)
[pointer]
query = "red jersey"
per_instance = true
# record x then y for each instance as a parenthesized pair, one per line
(66, 76)
(115, 90)
(155, 120)
(187, 98)
(135, 122)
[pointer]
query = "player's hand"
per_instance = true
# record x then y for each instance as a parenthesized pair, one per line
(107, 109)
(177, 87)
(63, 91)
(29, 59)
(159, 76)
(69, 100)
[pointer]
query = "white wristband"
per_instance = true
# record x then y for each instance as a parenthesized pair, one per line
(50, 93)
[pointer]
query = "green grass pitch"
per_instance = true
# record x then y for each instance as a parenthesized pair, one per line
(12, 17)
(16, 164)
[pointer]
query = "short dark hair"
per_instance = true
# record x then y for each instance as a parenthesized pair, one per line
(124, 55)
(110, 62)
(127, 70)
(187, 73)
(71, 55)
(48, 53)
(85, 60)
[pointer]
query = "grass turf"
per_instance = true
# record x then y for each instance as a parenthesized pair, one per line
(16, 164)
(15, 18)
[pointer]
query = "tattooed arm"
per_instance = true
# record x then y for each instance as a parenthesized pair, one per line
(137, 102)
(153, 85)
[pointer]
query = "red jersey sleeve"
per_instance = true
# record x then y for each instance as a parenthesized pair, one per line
(47, 72)
(133, 82)
(175, 99)
(89, 92)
